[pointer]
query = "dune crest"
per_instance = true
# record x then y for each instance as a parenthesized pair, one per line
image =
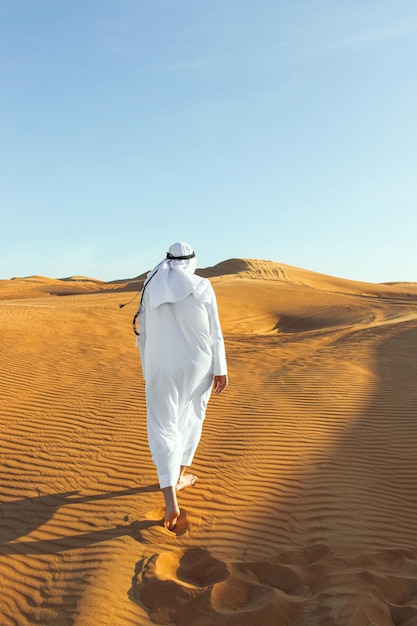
(305, 510)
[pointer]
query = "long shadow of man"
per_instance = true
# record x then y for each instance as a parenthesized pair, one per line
(20, 517)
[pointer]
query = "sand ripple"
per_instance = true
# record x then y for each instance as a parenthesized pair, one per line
(305, 510)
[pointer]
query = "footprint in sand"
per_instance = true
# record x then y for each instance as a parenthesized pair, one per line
(193, 588)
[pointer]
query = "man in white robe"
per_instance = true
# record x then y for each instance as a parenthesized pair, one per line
(183, 358)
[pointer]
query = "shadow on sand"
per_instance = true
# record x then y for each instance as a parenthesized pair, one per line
(20, 517)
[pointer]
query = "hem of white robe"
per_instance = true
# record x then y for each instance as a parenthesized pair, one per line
(187, 460)
(168, 479)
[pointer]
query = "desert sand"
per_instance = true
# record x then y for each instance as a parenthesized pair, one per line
(305, 511)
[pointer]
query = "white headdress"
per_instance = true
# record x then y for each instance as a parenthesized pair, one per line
(173, 279)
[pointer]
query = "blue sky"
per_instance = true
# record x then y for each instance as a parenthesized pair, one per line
(277, 129)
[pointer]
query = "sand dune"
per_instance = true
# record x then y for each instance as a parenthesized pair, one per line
(305, 512)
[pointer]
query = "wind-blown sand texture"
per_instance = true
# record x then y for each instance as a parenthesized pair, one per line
(305, 512)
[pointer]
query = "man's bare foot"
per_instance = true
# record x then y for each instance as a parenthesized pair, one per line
(186, 480)
(172, 510)
(171, 523)
(178, 526)
(171, 518)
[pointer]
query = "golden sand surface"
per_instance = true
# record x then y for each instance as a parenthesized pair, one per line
(305, 511)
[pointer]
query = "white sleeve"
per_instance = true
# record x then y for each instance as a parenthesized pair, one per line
(219, 352)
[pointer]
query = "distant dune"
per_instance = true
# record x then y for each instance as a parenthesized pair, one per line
(305, 512)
